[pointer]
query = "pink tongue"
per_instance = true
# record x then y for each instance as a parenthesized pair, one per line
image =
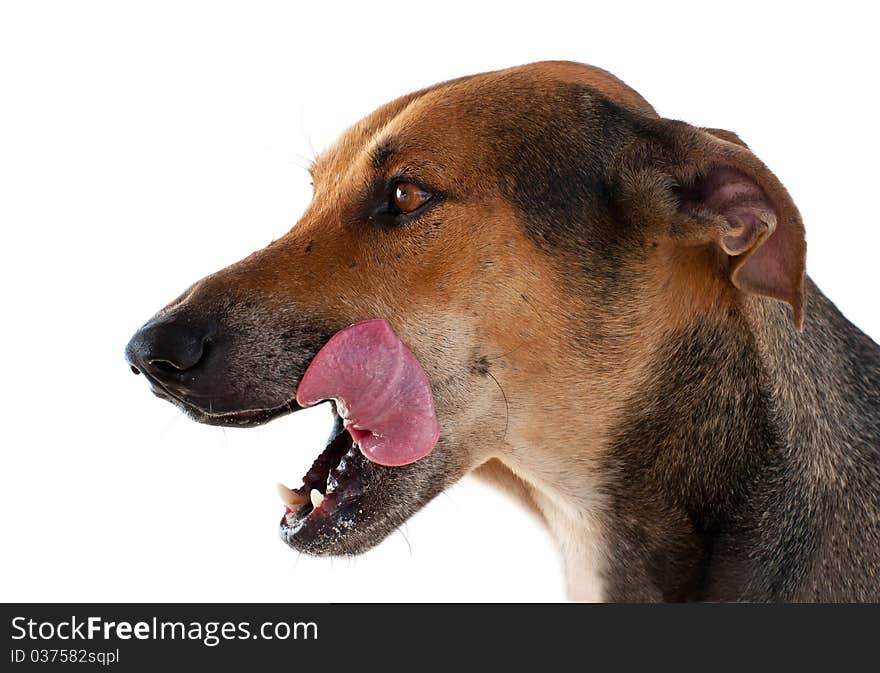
(381, 391)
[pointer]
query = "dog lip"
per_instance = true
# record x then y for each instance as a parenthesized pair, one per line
(240, 418)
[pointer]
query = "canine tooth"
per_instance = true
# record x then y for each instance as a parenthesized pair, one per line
(317, 498)
(289, 496)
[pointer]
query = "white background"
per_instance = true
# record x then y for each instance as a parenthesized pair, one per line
(145, 145)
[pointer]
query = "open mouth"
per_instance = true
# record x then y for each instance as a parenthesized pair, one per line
(384, 414)
(332, 488)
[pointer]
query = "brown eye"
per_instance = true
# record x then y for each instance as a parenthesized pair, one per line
(408, 197)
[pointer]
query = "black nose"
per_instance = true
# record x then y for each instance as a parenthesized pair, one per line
(165, 348)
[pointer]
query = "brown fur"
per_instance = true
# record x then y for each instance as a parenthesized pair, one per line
(546, 296)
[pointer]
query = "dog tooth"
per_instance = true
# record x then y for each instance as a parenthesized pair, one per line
(290, 497)
(317, 498)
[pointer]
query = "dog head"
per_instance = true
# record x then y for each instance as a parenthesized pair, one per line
(529, 234)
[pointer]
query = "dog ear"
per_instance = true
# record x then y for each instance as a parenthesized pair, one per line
(729, 136)
(715, 191)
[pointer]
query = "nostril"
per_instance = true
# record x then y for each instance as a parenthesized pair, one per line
(185, 355)
(165, 349)
(166, 366)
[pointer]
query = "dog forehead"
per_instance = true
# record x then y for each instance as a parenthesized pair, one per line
(552, 73)
(458, 113)
(513, 92)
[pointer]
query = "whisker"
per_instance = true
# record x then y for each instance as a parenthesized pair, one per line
(512, 350)
(302, 161)
(400, 530)
(169, 426)
(451, 499)
(506, 404)
(306, 135)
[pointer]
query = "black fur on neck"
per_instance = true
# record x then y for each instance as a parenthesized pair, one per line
(749, 468)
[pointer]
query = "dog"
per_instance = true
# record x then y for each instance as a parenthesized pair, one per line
(612, 311)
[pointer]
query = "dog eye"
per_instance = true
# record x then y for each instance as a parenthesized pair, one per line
(408, 197)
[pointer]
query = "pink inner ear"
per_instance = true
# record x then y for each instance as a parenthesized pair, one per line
(766, 248)
(725, 187)
(747, 212)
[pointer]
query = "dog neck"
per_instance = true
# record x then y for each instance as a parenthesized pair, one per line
(718, 479)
